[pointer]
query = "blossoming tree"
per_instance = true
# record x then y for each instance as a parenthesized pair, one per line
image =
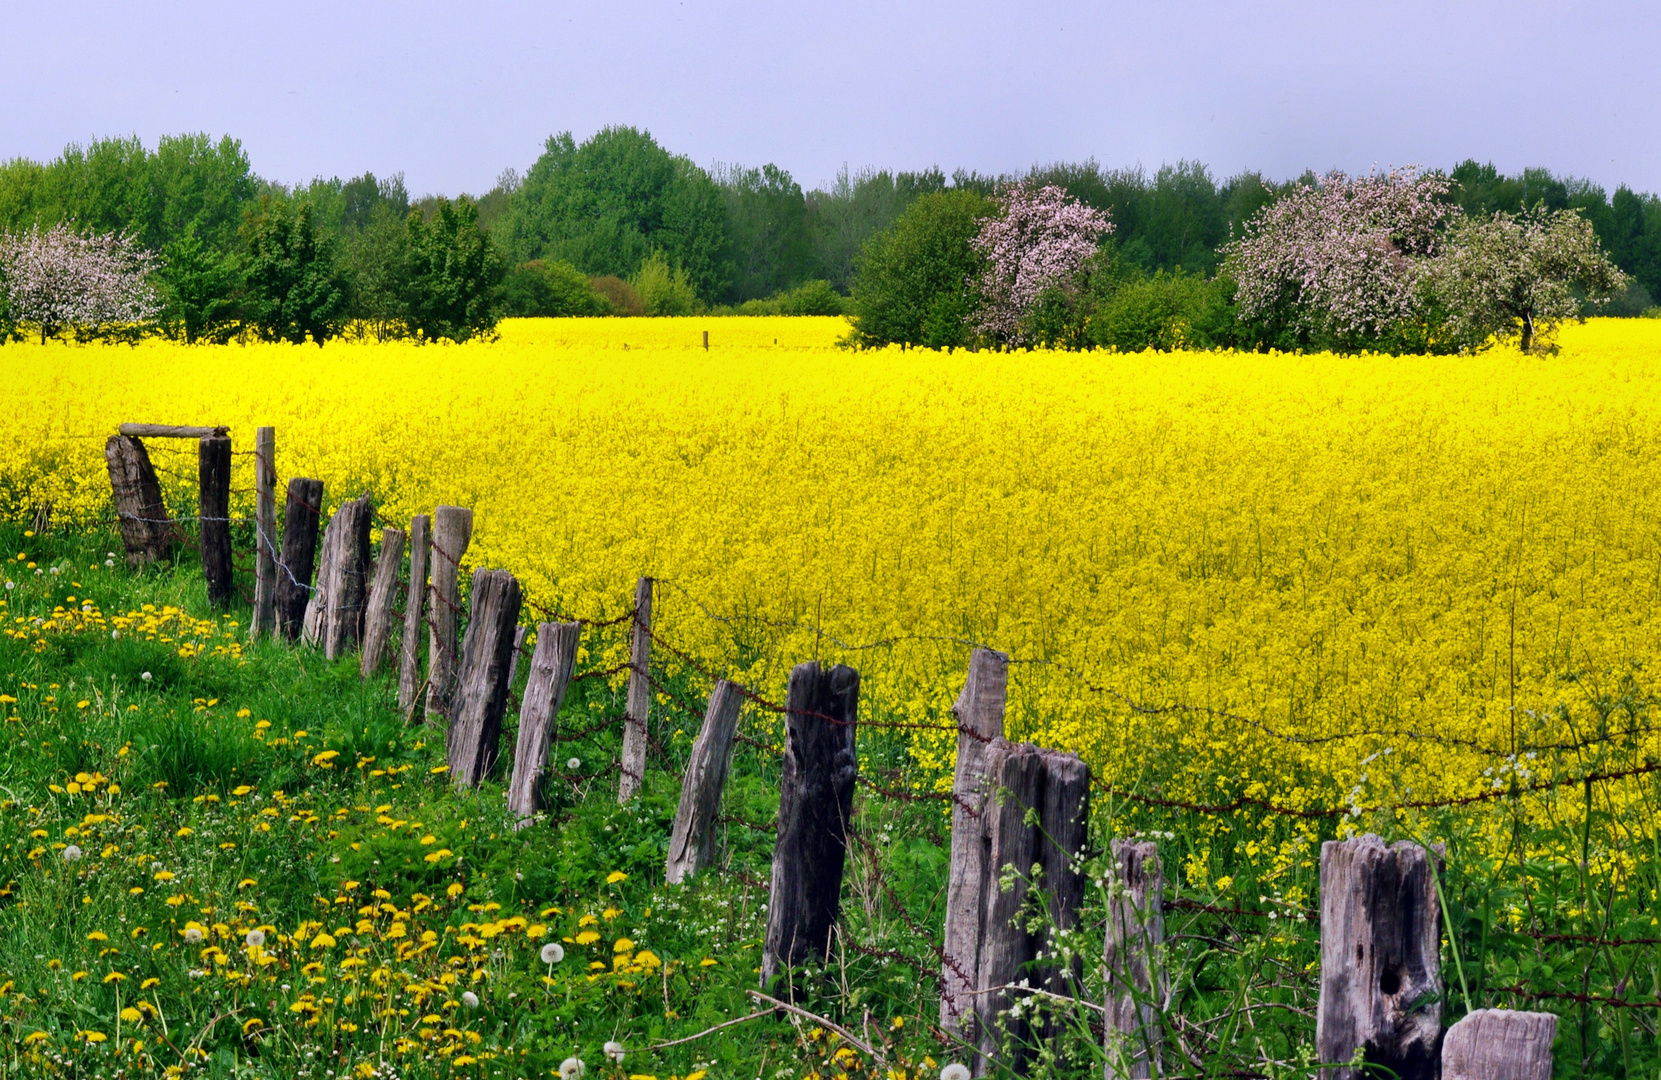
(1040, 240)
(56, 279)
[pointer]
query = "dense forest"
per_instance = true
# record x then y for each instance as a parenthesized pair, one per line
(620, 224)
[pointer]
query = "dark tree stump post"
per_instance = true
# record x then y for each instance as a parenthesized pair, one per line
(294, 569)
(692, 840)
(214, 507)
(1381, 972)
(146, 529)
(1499, 1044)
(816, 796)
(415, 613)
(482, 682)
(1133, 960)
(980, 718)
(378, 618)
(452, 532)
(640, 695)
(264, 621)
(551, 667)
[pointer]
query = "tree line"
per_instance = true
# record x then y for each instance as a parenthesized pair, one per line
(618, 224)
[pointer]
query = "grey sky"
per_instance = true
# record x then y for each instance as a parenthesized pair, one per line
(451, 94)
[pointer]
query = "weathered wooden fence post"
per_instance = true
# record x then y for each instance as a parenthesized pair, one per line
(378, 620)
(146, 530)
(980, 718)
(415, 612)
(518, 651)
(816, 798)
(334, 617)
(1499, 1044)
(1039, 816)
(1134, 961)
(264, 621)
(640, 696)
(1381, 973)
(482, 681)
(300, 516)
(551, 667)
(692, 840)
(213, 501)
(452, 532)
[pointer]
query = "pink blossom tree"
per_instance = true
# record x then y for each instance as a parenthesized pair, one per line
(1343, 257)
(57, 279)
(1041, 239)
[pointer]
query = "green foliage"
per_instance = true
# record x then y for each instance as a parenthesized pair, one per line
(549, 289)
(768, 243)
(1167, 311)
(454, 273)
(856, 208)
(619, 296)
(199, 288)
(912, 283)
(607, 204)
(665, 290)
(378, 262)
(296, 288)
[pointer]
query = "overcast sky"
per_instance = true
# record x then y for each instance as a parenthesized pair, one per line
(453, 93)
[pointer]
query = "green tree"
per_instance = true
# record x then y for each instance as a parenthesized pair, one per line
(539, 289)
(296, 288)
(856, 208)
(912, 279)
(665, 289)
(605, 205)
(768, 243)
(199, 289)
(377, 259)
(454, 273)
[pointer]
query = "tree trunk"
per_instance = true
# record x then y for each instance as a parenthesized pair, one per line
(551, 667)
(1381, 973)
(213, 502)
(415, 611)
(452, 532)
(1133, 954)
(1528, 332)
(264, 620)
(482, 681)
(146, 530)
(1499, 1044)
(300, 516)
(378, 619)
(816, 797)
(640, 696)
(692, 840)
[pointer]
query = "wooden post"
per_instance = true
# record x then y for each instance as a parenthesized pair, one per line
(264, 620)
(706, 340)
(300, 516)
(415, 612)
(146, 530)
(378, 617)
(640, 696)
(1133, 960)
(214, 508)
(334, 617)
(551, 667)
(452, 532)
(816, 797)
(518, 651)
(482, 680)
(1380, 955)
(1038, 816)
(170, 431)
(980, 717)
(1499, 1044)
(692, 840)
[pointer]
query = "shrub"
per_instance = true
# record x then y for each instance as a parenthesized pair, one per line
(814, 298)
(618, 295)
(1167, 311)
(550, 289)
(665, 290)
(912, 280)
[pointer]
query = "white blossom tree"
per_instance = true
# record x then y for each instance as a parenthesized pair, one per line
(1042, 237)
(1342, 257)
(1518, 276)
(57, 279)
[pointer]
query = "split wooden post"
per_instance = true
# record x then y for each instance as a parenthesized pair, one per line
(692, 840)
(640, 696)
(1134, 961)
(482, 680)
(334, 618)
(980, 719)
(213, 501)
(1381, 973)
(300, 516)
(816, 798)
(551, 667)
(1499, 1044)
(1038, 816)
(378, 617)
(415, 611)
(146, 530)
(264, 621)
(452, 532)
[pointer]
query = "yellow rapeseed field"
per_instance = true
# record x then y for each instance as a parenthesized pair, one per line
(1190, 555)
